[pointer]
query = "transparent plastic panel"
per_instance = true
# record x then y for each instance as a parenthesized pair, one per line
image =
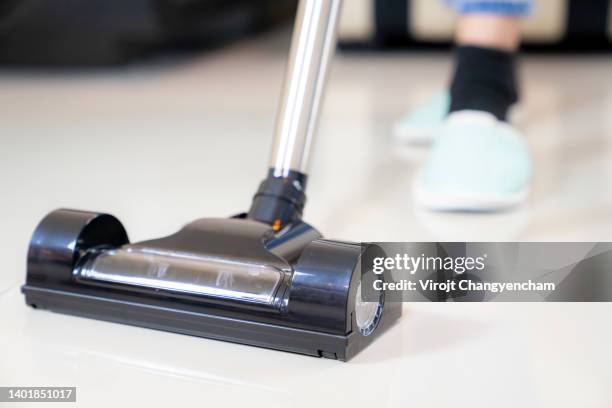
(184, 273)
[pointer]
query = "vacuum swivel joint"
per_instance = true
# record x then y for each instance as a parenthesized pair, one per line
(280, 200)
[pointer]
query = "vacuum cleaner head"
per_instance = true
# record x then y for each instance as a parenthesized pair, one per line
(265, 278)
(235, 279)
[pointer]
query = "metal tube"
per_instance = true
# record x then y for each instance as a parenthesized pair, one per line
(313, 44)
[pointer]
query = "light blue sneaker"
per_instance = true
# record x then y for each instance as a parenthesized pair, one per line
(477, 164)
(420, 125)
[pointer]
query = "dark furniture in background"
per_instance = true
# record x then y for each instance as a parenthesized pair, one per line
(577, 25)
(94, 32)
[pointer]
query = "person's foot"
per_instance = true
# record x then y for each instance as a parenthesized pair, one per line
(477, 163)
(420, 125)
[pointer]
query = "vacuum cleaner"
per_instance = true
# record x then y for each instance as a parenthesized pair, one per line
(264, 278)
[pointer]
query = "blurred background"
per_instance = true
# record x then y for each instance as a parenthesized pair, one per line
(99, 32)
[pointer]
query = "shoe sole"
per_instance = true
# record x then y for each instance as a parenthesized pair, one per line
(461, 202)
(415, 135)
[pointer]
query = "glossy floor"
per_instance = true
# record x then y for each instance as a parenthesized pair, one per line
(163, 143)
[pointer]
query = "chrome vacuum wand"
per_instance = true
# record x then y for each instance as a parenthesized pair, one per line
(280, 199)
(312, 48)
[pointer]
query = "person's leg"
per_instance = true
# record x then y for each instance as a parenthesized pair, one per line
(479, 162)
(485, 71)
(482, 80)
(489, 31)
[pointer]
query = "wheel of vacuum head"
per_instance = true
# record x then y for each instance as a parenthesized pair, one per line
(63, 236)
(325, 287)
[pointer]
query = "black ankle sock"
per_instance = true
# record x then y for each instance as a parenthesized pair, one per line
(485, 80)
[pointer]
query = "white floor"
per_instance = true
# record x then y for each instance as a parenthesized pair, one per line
(164, 143)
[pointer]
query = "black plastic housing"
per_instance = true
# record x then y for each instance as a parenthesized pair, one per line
(313, 311)
(279, 201)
